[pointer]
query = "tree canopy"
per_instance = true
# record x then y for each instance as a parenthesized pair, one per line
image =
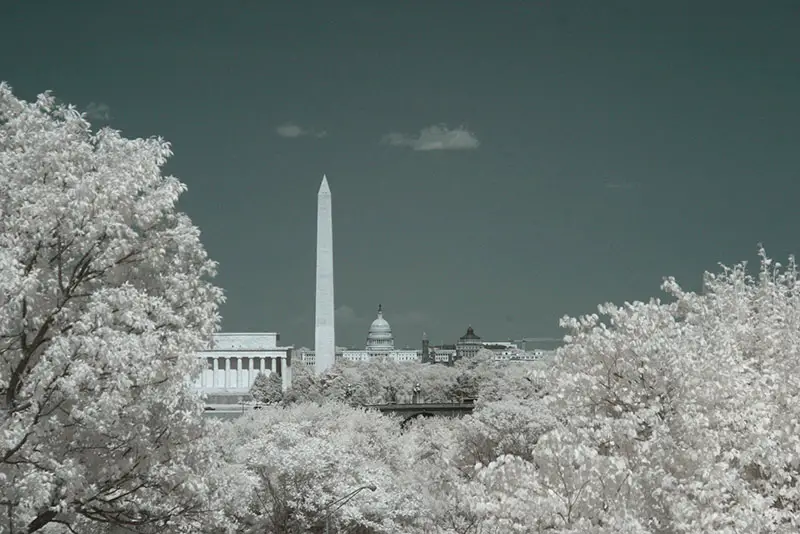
(378, 381)
(105, 296)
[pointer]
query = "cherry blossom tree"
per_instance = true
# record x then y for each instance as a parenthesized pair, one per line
(690, 409)
(676, 416)
(465, 387)
(483, 358)
(452, 499)
(506, 380)
(104, 300)
(436, 382)
(507, 427)
(374, 381)
(304, 457)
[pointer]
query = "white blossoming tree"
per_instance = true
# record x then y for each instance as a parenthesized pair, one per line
(681, 416)
(454, 502)
(657, 417)
(306, 457)
(104, 299)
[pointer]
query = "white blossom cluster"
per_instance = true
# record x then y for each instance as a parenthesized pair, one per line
(104, 300)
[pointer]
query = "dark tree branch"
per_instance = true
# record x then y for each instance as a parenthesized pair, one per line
(41, 520)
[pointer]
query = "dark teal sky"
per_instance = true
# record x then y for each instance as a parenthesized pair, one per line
(619, 142)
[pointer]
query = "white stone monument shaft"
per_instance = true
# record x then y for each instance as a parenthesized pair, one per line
(324, 336)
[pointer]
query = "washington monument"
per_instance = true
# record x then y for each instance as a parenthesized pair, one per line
(324, 336)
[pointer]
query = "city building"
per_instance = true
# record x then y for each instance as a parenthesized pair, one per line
(379, 346)
(511, 351)
(234, 360)
(442, 353)
(501, 348)
(468, 345)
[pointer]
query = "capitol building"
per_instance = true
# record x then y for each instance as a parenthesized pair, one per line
(379, 346)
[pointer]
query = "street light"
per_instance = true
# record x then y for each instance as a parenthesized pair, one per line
(341, 502)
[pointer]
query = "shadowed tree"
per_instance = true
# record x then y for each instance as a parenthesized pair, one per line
(267, 388)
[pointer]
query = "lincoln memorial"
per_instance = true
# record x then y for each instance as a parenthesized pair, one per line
(234, 361)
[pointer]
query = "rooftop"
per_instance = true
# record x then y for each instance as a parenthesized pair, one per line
(470, 335)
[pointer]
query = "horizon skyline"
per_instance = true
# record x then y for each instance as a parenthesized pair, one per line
(326, 190)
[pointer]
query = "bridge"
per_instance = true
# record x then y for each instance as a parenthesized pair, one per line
(406, 412)
(409, 412)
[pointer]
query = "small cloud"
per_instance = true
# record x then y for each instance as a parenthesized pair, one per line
(289, 130)
(292, 130)
(437, 137)
(98, 111)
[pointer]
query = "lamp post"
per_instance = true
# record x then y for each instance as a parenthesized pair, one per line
(341, 502)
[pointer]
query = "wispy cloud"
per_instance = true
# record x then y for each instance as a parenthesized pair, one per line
(98, 111)
(436, 137)
(292, 130)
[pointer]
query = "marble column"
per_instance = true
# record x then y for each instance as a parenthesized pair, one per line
(286, 375)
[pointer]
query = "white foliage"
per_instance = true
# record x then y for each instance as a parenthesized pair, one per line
(696, 401)
(657, 417)
(508, 427)
(104, 301)
(304, 457)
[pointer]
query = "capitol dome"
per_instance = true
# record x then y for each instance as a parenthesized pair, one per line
(380, 337)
